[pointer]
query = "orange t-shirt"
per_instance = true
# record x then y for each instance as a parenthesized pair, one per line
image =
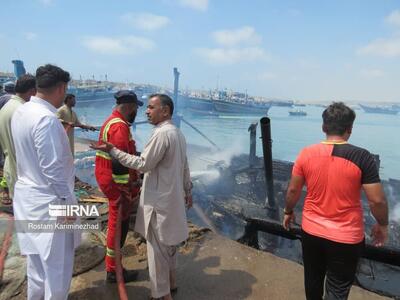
(334, 174)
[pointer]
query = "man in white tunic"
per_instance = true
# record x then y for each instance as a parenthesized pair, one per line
(46, 176)
(161, 216)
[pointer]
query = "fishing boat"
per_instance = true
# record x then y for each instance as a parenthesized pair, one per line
(240, 103)
(297, 113)
(247, 107)
(199, 103)
(387, 110)
(90, 93)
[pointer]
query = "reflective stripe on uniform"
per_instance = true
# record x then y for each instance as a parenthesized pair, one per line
(124, 178)
(108, 125)
(110, 252)
(103, 154)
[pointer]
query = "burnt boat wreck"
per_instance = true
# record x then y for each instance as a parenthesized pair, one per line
(244, 200)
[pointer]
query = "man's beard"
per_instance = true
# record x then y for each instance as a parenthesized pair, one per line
(132, 118)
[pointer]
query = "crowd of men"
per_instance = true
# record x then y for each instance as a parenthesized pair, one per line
(36, 139)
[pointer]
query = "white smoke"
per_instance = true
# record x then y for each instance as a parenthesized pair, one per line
(84, 162)
(225, 155)
(204, 166)
(395, 213)
(207, 176)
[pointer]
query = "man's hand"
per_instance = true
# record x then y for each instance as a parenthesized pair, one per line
(188, 201)
(89, 127)
(104, 146)
(288, 220)
(379, 235)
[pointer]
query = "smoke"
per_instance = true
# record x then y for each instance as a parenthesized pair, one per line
(84, 162)
(205, 160)
(206, 166)
(238, 147)
(395, 213)
(207, 176)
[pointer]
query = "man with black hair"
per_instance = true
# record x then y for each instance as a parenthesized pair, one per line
(161, 216)
(334, 173)
(9, 89)
(46, 177)
(24, 89)
(118, 183)
(70, 120)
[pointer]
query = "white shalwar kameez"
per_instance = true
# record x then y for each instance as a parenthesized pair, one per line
(161, 216)
(46, 175)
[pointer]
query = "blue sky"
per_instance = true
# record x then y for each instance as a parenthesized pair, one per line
(302, 50)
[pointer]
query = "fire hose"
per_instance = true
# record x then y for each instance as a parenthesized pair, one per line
(6, 243)
(118, 260)
(117, 249)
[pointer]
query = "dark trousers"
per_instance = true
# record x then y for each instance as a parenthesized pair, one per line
(337, 261)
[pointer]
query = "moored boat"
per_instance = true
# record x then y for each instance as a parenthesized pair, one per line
(387, 110)
(297, 113)
(233, 107)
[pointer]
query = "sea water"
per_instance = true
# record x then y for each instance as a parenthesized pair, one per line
(377, 133)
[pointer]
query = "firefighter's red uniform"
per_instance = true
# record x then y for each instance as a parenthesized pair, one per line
(114, 180)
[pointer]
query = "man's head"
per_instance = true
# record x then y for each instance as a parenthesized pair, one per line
(338, 119)
(127, 104)
(51, 84)
(70, 100)
(9, 88)
(26, 86)
(159, 109)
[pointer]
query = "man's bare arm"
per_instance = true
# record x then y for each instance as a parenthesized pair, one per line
(293, 192)
(292, 196)
(379, 208)
(377, 202)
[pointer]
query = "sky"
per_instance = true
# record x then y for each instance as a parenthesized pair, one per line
(309, 50)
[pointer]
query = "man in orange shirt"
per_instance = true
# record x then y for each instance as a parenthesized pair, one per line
(334, 173)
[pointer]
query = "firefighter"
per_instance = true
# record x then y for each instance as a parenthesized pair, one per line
(119, 184)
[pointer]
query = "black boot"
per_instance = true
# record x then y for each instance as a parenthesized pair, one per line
(129, 275)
